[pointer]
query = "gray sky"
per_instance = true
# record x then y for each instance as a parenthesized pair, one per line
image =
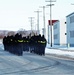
(14, 14)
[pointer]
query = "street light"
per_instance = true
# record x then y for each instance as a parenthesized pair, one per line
(50, 24)
(38, 20)
(50, 21)
(44, 28)
(31, 21)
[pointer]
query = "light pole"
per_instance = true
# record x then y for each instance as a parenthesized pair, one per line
(38, 20)
(44, 31)
(50, 21)
(31, 20)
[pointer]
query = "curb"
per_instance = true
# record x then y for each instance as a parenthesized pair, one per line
(62, 49)
(60, 56)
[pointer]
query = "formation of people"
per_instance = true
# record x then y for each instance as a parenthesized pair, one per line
(16, 44)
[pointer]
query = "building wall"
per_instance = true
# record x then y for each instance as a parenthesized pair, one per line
(49, 35)
(56, 33)
(63, 37)
(49, 31)
(70, 29)
(59, 30)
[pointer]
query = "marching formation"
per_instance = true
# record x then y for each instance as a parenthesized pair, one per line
(17, 44)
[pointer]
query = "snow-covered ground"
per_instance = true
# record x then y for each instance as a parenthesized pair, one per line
(32, 64)
(60, 50)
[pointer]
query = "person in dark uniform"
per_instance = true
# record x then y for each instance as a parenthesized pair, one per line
(27, 43)
(11, 43)
(39, 45)
(24, 43)
(4, 42)
(15, 44)
(8, 43)
(20, 45)
(43, 44)
(31, 43)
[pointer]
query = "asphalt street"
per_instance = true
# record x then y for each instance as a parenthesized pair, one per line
(32, 64)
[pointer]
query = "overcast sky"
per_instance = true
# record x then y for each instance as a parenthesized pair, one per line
(14, 14)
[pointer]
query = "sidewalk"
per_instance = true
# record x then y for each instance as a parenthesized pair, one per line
(61, 47)
(60, 51)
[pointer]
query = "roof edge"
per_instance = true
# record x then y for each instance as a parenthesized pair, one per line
(70, 14)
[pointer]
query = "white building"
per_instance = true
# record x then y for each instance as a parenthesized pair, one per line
(49, 34)
(70, 29)
(59, 30)
(56, 33)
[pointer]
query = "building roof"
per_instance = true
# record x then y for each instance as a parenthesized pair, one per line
(53, 21)
(70, 14)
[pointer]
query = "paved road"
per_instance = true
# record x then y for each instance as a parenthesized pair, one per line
(32, 64)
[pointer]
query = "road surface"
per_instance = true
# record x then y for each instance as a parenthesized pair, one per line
(32, 64)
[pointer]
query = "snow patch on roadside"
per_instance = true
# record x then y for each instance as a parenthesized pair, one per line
(59, 52)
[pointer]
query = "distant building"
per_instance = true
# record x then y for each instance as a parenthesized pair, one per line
(58, 33)
(49, 31)
(70, 29)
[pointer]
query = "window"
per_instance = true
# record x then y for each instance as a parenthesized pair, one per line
(71, 19)
(72, 34)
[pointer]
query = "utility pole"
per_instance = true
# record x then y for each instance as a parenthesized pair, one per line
(44, 31)
(50, 20)
(31, 21)
(38, 20)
